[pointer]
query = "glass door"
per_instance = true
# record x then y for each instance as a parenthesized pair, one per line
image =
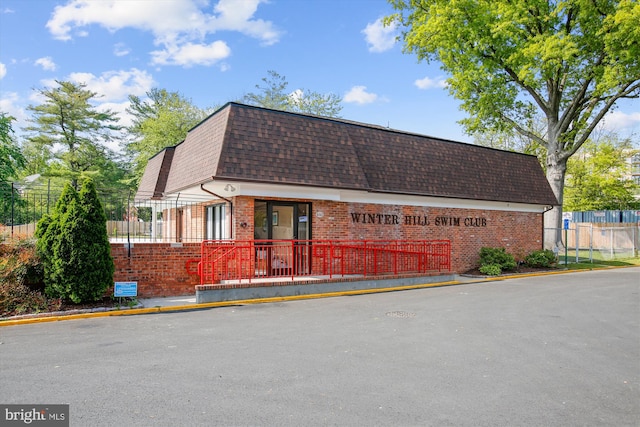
(285, 222)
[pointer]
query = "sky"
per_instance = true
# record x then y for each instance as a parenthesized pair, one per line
(216, 51)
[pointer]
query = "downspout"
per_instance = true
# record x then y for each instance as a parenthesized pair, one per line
(226, 200)
(547, 209)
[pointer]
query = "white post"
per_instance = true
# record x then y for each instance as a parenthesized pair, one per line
(154, 221)
(577, 240)
(591, 243)
(611, 243)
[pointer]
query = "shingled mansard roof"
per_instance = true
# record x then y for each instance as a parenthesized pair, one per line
(242, 143)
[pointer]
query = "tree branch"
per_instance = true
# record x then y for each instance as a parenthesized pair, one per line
(578, 100)
(622, 93)
(525, 132)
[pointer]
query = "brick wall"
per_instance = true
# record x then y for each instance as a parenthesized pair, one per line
(159, 268)
(467, 229)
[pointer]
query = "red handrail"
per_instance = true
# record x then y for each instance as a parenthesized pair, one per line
(251, 259)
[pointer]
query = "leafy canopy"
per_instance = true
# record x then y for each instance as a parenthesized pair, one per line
(11, 158)
(68, 134)
(161, 120)
(273, 94)
(598, 178)
(570, 59)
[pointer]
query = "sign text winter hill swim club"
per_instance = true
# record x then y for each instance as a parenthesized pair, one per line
(438, 221)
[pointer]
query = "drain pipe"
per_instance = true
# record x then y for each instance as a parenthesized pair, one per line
(226, 200)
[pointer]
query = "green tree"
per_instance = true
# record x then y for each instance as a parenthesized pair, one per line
(94, 268)
(69, 135)
(511, 140)
(569, 61)
(161, 120)
(50, 247)
(11, 161)
(74, 247)
(598, 178)
(11, 158)
(273, 94)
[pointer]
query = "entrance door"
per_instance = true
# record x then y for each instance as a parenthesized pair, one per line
(285, 221)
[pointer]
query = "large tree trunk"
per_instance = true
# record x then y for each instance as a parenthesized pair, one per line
(556, 170)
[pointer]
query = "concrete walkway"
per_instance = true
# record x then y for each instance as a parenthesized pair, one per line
(167, 301)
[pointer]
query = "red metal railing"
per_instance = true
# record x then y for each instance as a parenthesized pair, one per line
(249, 259)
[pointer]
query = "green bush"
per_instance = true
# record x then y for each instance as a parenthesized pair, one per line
(542, 258)
(491, 269)
(74, 247)
(497, 256)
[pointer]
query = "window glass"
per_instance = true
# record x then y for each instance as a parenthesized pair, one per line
(216, 222)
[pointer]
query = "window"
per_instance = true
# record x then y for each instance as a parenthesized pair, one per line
(216, 222)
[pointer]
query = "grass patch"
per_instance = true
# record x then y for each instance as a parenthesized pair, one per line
(599, 263)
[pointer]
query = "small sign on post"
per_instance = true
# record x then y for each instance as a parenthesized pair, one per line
(565, 224)
(125, 289)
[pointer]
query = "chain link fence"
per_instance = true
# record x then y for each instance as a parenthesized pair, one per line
(607, 241)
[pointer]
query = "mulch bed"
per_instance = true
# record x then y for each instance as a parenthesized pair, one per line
(521, 269)
(56, 306)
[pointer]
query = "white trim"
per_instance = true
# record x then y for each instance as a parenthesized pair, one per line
(356, 196)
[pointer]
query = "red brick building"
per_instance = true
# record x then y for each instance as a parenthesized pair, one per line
(265, 174)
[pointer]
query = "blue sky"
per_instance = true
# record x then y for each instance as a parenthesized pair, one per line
(215, 51)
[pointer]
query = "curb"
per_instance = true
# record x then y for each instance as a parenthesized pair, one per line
(188, 307)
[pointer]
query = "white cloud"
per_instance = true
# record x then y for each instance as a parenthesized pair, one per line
(359, 95)
(116, 85)
(378, 37)
(236, 15)
(428, 83)
(297, 95)
(618, 120)
(9, 103)
(46, 63)
(120, 49)
(188, 54)
(3, 70)
(120, 108)
(177, 26)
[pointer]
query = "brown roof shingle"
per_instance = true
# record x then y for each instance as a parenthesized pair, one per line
(154, 179)
(247, 143)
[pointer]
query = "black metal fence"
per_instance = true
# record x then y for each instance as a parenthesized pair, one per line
(128, 218)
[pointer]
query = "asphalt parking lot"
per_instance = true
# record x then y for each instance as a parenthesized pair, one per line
(559, 350)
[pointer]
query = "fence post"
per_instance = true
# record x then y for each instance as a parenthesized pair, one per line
(591, 243)
(577, 239)
(611, 242)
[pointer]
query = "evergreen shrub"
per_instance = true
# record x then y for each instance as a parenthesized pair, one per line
(74, 247)
(542, 258)
(492, 257)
